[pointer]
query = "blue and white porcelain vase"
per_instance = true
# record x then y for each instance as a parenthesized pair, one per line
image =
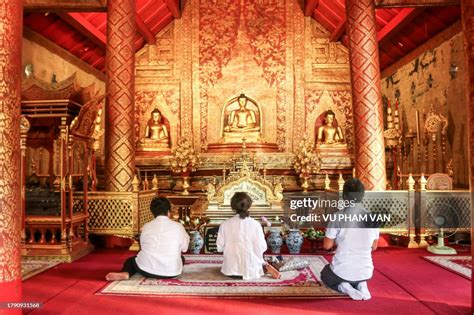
(196, 242)
(294, 241)
(275, 241)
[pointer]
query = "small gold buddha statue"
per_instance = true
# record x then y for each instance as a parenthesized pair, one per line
(329, 135)
(156, 133)
(242, 122)
(242, 119)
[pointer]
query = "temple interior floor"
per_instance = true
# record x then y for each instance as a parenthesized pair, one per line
(403, 283)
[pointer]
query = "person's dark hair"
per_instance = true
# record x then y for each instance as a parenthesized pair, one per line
(240, 203)
(160, 206)
(353, 190)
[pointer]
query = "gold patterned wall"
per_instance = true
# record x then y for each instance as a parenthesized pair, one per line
(266, 49)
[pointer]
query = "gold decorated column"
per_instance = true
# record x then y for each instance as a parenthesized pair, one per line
(120, 84)
(366, 94)
(11, 23)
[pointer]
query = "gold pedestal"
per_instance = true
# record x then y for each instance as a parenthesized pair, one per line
(249, 136)
(334, 156)
(330, 149)
(148, 145)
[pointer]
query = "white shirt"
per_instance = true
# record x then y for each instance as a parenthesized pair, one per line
(243, 244)
(353, 258)
(162, 241)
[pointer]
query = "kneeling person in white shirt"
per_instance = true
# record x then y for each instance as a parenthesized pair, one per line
(351, 266)
(242, 240)
(161, 243)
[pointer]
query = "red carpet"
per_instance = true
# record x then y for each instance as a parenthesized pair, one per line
(403, 283)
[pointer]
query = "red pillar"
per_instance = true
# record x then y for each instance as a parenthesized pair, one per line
(120, 85)
(467, 11)
(11, 24)
(366, 94)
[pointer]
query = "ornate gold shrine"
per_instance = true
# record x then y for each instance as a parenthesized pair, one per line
(60, 130)
(266, 196)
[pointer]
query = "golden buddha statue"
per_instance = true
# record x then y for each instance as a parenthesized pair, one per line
(242, 119)
(328, 135)
(156, 133)
(241, 122)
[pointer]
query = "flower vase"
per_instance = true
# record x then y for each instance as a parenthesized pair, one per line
(294, 241)
(305, 184)
(275, 241)
(196, 242)
(185, 185)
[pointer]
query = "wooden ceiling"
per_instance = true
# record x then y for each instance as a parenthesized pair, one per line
(400, 30)
(83, 34)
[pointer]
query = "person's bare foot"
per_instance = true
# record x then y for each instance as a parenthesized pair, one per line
(275, 274)
(114, 276)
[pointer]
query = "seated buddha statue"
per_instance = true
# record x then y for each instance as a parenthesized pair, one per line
(328, 135)
(242, 122)
(242, 119)
(156, 133)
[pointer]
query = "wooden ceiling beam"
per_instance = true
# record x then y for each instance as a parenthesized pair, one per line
(414, 3)
(65, 5)
(85, 27)
(338, 31)
(392, 28)
(310, 6)
(173, 6)
(323, 20)
(144, 31)
(333, 9)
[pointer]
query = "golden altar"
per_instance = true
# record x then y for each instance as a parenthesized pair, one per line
(266, 196)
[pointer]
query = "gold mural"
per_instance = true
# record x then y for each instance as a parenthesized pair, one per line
(282, 61)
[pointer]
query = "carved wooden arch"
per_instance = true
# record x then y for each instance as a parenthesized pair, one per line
(269, 195)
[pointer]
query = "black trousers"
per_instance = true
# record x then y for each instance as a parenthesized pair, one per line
(130, 266)
(332, 280)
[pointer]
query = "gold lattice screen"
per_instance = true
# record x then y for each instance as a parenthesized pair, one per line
(117, 213)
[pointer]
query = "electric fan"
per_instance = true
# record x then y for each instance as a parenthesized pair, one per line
(442, 216)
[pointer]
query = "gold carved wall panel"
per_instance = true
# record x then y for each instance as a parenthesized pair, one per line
(266, 49)
(326, 61)
(155, 62)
